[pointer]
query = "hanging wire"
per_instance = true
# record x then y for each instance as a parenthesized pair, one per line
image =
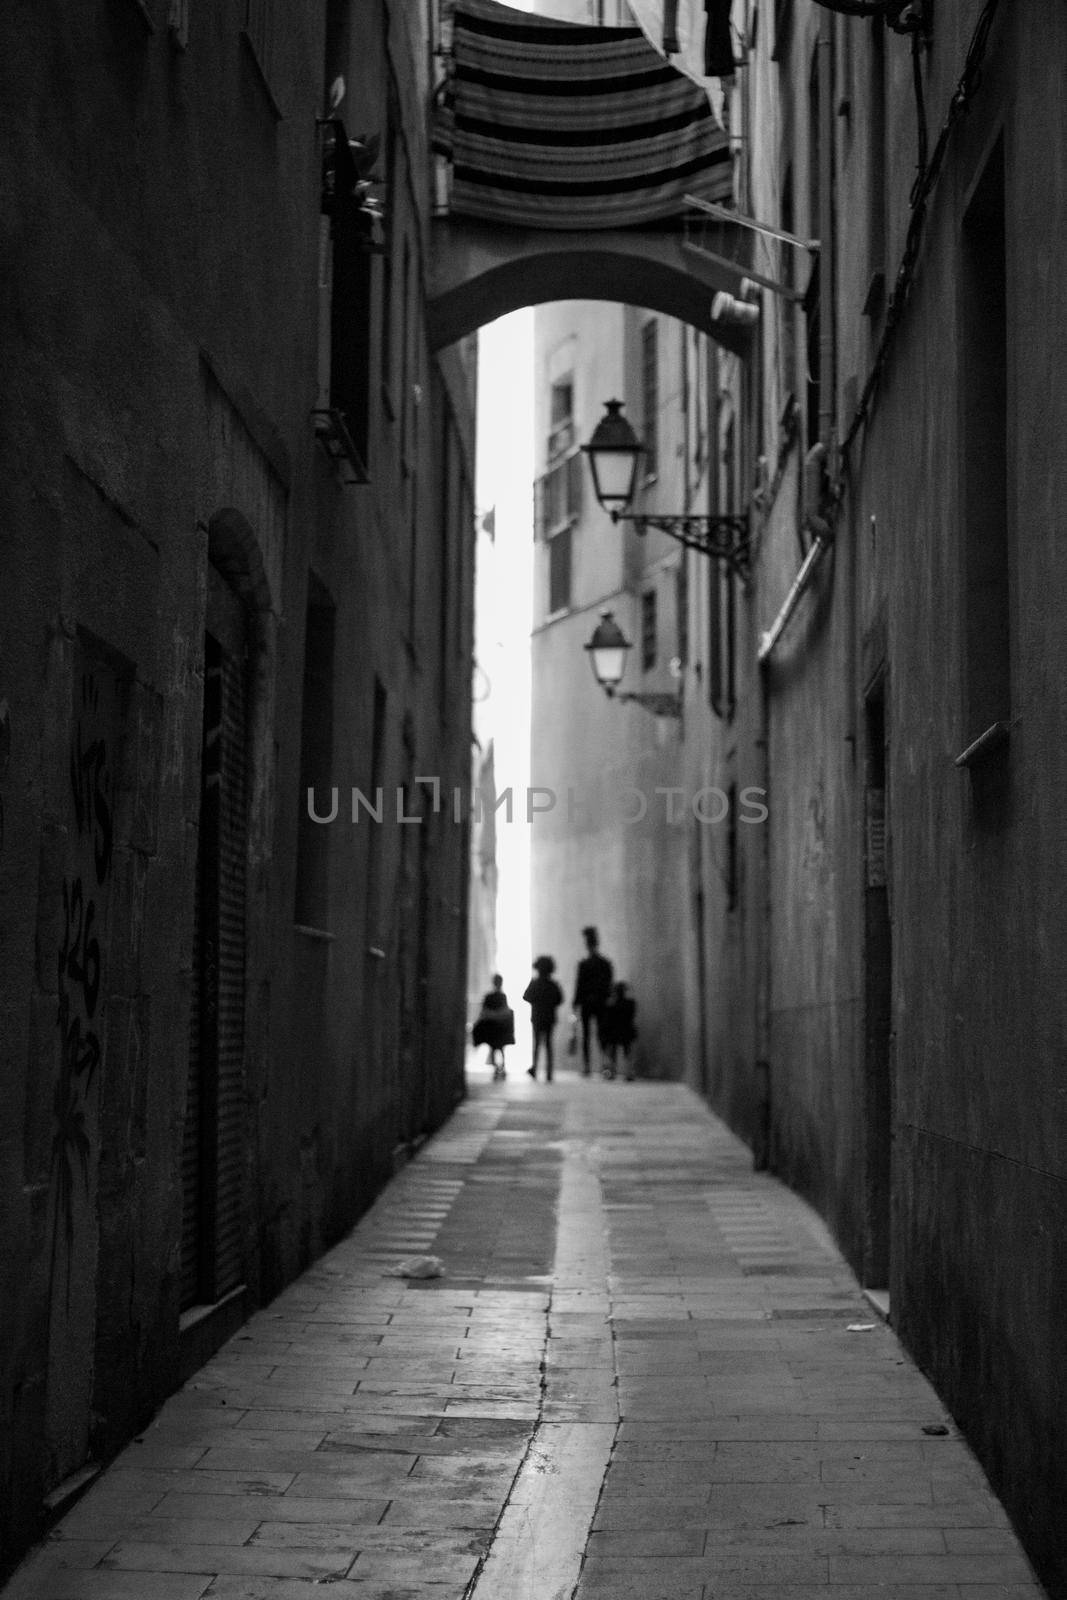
(920, 117)
(930, 170)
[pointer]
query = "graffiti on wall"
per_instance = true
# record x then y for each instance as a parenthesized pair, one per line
(5, 756)
(80, 956)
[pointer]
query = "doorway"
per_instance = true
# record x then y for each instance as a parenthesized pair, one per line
(213, 1146)
(877, 992)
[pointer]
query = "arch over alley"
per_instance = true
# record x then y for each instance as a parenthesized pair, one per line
(480, 271)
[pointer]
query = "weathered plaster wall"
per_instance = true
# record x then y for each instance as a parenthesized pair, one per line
(979, 913)
(159, 350)
(975, 858)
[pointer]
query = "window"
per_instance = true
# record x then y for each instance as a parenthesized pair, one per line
(650, 395)
(385, 351)
(349, 329)
(559, 570)
(561, 417)
(648, 630)
(983, 380)
(558, 492)
(558, 495)
(316, 760)
(681, 602)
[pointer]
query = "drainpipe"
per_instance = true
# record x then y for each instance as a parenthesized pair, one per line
(816, 523)
(815, 465)
(815, 472)
(827, 264)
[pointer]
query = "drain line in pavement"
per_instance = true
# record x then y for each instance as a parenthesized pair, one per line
(539, 1541)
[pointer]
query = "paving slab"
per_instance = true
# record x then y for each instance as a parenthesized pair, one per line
(636, 1381)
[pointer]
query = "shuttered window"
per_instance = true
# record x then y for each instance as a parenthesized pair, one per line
(350, 332)
(559, 570)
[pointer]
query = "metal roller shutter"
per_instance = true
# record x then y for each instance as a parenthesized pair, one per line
(212, 1156)
(231, 979)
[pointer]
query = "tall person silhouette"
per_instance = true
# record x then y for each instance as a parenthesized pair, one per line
(592, 986)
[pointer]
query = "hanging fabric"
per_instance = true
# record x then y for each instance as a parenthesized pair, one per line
(718, 40)
(696, 30)
(559, 125)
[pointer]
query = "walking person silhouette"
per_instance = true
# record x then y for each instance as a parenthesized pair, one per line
(592, 986)
(544, 997)
(495, 1026)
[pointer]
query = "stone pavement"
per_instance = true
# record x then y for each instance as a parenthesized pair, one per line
(640, 1379)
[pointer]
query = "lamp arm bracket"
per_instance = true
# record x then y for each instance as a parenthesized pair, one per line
(725, 537)
(660, 705)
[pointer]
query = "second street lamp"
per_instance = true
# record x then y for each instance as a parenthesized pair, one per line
(607, 655)
(614, 452)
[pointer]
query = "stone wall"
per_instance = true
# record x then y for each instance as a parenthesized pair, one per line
(162, 357)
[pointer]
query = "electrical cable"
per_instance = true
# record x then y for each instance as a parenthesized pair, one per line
(920, 115)
(969, 82)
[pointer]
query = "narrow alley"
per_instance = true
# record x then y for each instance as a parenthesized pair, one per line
(646, 1372)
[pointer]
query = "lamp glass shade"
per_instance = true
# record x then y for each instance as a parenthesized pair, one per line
(607, 652)
(614, 451)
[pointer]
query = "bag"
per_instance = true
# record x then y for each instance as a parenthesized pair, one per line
(494, 1028)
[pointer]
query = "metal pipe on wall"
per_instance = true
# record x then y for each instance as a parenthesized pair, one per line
(818, 456)
(827, 274)
(814, 476)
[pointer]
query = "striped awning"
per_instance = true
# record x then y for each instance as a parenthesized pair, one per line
(554, 125)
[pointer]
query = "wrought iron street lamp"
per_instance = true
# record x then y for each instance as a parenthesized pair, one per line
(607, 655)
(614, 452)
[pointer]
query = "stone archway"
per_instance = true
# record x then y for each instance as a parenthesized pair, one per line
(480, 271)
